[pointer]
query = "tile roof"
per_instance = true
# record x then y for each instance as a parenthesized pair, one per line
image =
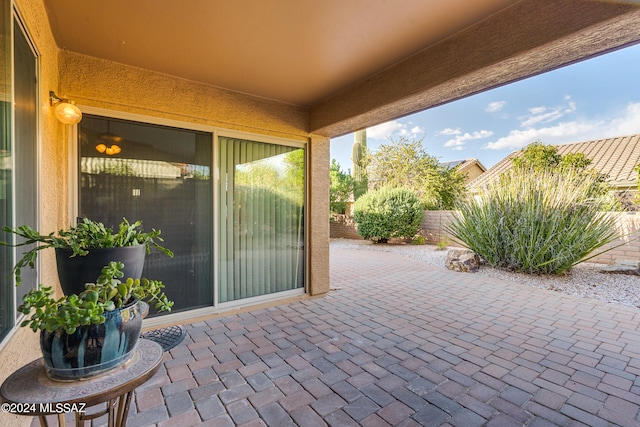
(615, 157)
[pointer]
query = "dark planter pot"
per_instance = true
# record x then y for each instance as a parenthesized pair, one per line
(74, 272)
(93, 349)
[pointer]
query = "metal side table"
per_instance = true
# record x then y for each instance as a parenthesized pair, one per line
(29, 391)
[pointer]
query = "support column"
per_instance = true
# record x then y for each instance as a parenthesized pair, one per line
(318, 184)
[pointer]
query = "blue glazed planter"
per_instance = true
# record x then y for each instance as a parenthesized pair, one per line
(94, 349)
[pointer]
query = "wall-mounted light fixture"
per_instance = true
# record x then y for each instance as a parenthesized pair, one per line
(65, 111)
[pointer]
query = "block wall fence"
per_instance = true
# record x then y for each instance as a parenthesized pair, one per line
(434, 224)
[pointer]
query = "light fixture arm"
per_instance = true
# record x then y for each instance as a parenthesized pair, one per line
(54, 99)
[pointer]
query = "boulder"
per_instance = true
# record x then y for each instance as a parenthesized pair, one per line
(631, 268)
(463, 260)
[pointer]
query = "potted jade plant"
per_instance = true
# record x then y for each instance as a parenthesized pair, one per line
(82, 250)
(88, 333)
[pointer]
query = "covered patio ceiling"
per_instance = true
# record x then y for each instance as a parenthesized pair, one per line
(352, 63)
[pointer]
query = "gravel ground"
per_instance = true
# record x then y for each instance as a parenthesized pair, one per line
(584, 280)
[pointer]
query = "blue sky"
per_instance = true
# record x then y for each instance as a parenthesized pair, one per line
(594, 99)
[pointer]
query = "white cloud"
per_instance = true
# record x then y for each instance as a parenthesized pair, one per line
(561, 133)
(496, 106)
(573, 131)
(450, 131)
(460, 140)
(546, 115)
(393, 129)
(629, 123)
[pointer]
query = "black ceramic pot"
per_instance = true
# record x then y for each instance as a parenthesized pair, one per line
(74, 272)
(93, 349)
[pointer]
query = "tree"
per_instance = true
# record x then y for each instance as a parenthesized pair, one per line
(540, 158)
(281, 175)
(294, 175)
(341, 188)
(405, 163)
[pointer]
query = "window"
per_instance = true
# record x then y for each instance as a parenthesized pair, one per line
(18, 158)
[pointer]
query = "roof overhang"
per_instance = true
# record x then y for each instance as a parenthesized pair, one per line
(352, 64)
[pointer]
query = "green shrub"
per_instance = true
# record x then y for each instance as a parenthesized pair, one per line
(388, 212)
(442, 243)
(419, 240)
(340, 190)
(536, 223)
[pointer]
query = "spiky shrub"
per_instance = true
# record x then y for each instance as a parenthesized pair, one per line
(388, 212)
(539, 223)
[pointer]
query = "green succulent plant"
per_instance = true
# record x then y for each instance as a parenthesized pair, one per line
(87, 234)
(108, 293)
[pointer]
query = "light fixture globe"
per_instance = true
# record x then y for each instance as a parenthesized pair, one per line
(68, 113)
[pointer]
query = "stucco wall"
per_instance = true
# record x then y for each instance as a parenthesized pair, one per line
(98, 83)
(318, 211)
(472, 173)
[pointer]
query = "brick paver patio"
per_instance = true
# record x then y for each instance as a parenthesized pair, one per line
(398, 342)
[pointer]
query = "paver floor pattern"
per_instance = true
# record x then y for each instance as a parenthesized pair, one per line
(397, 342)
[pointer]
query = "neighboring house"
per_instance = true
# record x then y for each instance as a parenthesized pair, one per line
(225, 111)
(614, 157)
(471, 168)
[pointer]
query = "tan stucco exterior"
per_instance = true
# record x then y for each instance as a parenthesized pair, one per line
(319, 183)
(98, 83)
(472, 169)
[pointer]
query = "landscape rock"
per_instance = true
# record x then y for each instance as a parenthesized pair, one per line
(631, 268)
(463, 260)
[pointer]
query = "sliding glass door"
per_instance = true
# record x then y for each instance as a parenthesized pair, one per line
(261, 219)
(161, 176)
